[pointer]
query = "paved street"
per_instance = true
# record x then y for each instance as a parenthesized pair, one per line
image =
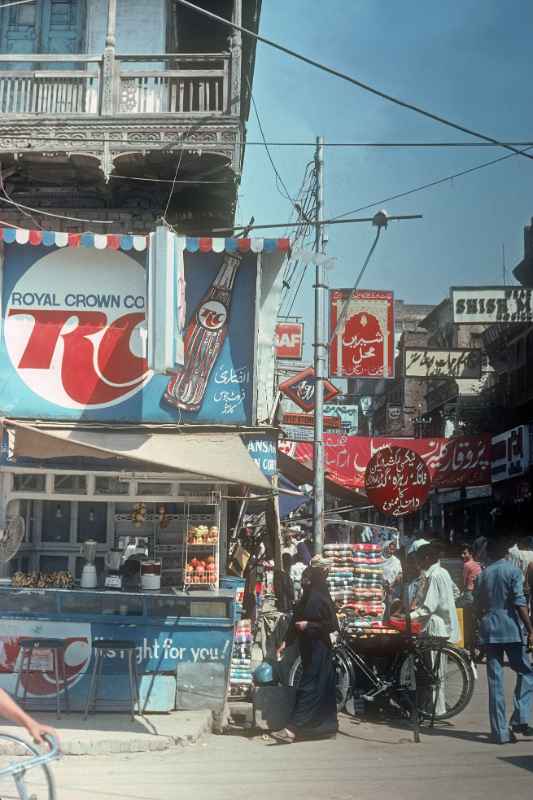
(367, 761)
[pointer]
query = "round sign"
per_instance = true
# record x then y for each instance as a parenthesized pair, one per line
(74, 328)
(397, 481)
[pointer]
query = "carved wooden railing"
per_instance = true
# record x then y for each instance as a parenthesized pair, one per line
(27, 90)
(136, 84)
(184, 84)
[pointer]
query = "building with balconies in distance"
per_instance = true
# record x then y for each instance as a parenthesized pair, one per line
(123, 111)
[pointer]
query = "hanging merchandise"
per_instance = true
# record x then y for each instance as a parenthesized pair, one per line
(241, 660)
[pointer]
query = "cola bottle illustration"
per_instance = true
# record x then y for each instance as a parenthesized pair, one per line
(204, 337)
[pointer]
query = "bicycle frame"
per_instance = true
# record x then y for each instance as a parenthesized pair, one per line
(18, 770)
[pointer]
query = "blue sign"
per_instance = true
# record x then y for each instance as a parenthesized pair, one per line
(74, 338)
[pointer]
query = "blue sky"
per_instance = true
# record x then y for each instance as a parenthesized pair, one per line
(469, 60)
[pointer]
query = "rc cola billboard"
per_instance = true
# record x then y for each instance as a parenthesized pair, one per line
(74, 336)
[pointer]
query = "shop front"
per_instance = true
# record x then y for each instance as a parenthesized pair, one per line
(114, 480)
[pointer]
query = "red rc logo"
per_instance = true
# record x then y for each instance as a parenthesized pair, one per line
(74, 331)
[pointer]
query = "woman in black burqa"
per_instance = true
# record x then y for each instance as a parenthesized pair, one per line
(315, 711)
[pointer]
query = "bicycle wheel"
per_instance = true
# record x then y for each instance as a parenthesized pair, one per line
(444, 683)
(17, 782)
(344, 677)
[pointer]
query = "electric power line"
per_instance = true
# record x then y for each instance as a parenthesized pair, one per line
(194, 145)
(429, 185)
(20, 206)
(348, 78)
(16, 3)
(279, 179)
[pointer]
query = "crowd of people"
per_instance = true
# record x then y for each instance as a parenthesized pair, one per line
(496, 602)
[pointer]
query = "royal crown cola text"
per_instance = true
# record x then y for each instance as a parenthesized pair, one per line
(205, 335)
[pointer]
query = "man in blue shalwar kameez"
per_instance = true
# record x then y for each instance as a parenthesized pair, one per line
(505, 626)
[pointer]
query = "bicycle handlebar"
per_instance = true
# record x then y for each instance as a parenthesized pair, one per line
(38, 760)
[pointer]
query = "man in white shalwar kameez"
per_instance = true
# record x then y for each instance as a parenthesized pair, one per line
(435, 608)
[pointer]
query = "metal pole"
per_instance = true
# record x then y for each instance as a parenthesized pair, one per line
(320, 356)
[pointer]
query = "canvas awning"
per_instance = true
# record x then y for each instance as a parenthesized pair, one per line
(219, 455)
(300, 474)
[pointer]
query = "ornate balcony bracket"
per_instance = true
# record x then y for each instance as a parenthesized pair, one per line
(108, 139)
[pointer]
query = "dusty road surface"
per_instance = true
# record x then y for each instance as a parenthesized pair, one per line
(367, 761)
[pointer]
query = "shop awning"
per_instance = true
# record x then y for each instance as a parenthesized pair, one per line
(300, 474)
(219, 455)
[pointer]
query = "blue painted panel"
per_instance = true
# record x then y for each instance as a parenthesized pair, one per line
(72, 345)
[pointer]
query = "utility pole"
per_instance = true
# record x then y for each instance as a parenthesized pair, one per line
(320, 355)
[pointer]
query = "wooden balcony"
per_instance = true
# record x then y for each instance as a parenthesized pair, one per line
(163, 84)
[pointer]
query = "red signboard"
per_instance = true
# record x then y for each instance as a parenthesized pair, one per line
(464, 461)
(397, 481)
(301, 389)
(289, 340)
(362, 334)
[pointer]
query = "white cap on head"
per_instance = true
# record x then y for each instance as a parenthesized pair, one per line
(416, 544)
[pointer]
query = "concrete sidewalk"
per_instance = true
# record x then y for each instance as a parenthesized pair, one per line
(105, 734)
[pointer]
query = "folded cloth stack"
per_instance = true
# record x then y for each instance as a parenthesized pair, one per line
(368, 595)
(241, 659)
(340, 575)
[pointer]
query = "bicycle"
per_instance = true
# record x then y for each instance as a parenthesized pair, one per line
(40, 784)
(401, 670)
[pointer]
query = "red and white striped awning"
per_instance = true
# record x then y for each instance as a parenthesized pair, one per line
(126, 242)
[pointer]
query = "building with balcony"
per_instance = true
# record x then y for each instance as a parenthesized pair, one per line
(108, 105)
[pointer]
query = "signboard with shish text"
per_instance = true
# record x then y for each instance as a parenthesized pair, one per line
(289, 341)
(475, 305)
(427, 363)
(361, 334)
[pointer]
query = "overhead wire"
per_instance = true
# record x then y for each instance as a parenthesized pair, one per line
(358, 280)
(171, 193)
(279, 179)
(194, 145)
(424, 186)
(16, 3)
(57, 216)
(354, 81)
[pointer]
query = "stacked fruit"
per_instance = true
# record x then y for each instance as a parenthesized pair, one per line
(202, 534)
(201, 571)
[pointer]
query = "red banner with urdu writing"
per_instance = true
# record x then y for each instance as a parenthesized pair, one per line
(452, 463)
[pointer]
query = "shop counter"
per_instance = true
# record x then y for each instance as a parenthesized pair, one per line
(183, 643)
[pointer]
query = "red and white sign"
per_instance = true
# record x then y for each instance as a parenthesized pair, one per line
(464, 461)
(42, 681)
(75, 328)
(363, 344)
(301, 389)
(289, 341)
(397, 481)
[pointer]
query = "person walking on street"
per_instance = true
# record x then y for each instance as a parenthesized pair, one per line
(471, 570)
(315, 711)
(434, 608)
(501, 605)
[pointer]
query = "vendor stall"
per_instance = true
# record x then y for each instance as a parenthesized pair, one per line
(183, 644)
(117, 457)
